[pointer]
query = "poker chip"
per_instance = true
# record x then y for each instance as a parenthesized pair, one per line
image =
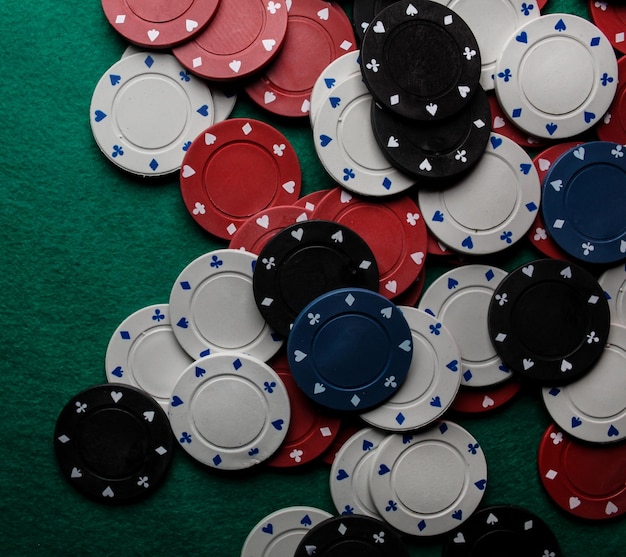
(144, 112)
(212, 307)
(412, 294)
(143, 352)
(335, 73)
(432, 382)
(346, 147)
(229, 411)
(593, 407)
(364, 11)
(235, 170)
(420, 60)
(393, 229)
(438, 149)
(612, 127)
(585, 480)
(427, 483)
(352, 535)
(549, 321)
(489, 209)
(346, 430)
(538, 233)
(242, 38)
(351, 471)
(304, 261)
(461, 296)
(159, 25)
(310, 201)
(279, 533)
(583, 202)
(493, 30)
(501, 124)
(254, 233)
(310, 432)
(113, 443)
(543, 48)
(610, 18)
(613, 282)
(492, 529)
(284, 88)
(350, 349)
(485, 399)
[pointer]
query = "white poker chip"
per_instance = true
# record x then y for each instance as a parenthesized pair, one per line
(350, 473)
(556, 76)
(593, 408)
(346, 146)
(336, 72)
(279, 533)
(460, 300)
(433, 380)
(613, 282)
(213, 309)
(146, 110)
(223, 100)
(492, 31)
(428, 483)
(143, 352)
(492, 207)
(229, 411)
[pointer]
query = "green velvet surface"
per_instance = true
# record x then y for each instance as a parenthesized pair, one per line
(85, 245)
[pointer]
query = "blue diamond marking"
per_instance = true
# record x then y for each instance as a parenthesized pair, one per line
(400, 418)
(387, 184)
(554, 391)
(237, 364)
(153, 164)
(125, 335)
(276, 337)
(531, 207)
(217, 460)
(206, 352)
(185, 285)
(421, 525)
(467, 375)
(595, 41)
(443, 428)
(149, 61)
(517, 112)
(489, 275)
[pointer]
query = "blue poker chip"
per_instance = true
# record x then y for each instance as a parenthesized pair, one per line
(350, 349)
(584, 202)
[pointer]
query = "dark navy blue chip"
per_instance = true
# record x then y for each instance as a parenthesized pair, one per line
(350, 349)
(584, 202)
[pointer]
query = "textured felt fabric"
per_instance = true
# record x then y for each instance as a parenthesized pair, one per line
(83, 246)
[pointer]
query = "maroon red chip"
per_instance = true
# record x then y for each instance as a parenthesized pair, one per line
(471, 400)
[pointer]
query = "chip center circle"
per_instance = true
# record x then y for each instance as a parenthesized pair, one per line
(231, 179)
(229, 412)
(423, 59)
(151, 111)
(557, 75)
(578, 461)
(429, 477)
(159, 11)
(350, 351)
(112, 443)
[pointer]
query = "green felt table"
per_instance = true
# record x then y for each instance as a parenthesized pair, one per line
(83, 246)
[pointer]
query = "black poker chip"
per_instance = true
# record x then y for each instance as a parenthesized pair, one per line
(549, 321)
(420, 60)
(437, 149)
(351, 536)
(364, 11)
(502, 530)
(113, 443)
(304, 261)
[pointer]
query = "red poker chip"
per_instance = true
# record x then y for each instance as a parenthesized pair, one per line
(435, 247)
(612, 127)
(346, 431)
(259, 229)
(541, 3)
(481, 400)
(159, 24)
(538, 232)
(502, 125)
(318, 33)
(236, 169)
(412, 294)
(244, 36)
(610, 18)
(310, 432)
(310, 201)
(584, 479)
(394, 229)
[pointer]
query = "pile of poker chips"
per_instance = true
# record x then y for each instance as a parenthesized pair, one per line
(562, 269)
